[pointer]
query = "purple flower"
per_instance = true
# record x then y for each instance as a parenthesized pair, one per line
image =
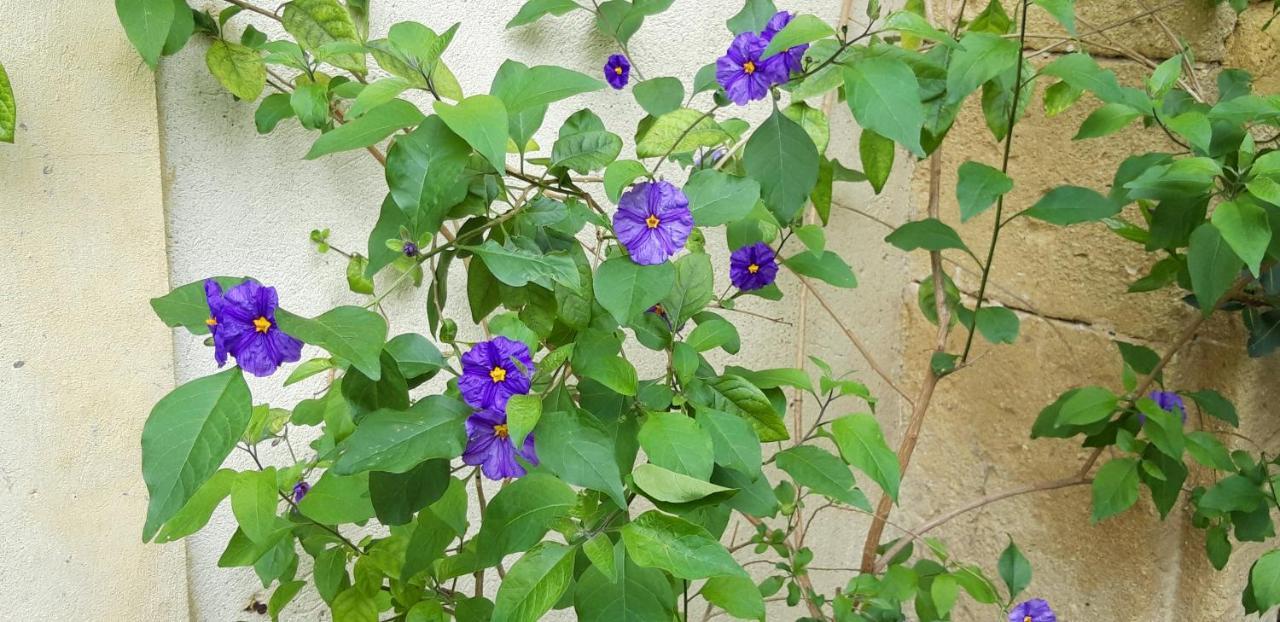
(742, 74)
(707, 158)
(300, 490)
(617, 70)
(213, 296)
(244, 321)
(490, 446)
(792, 59)
(493, 371)
(653, 221)
(410, 249)
(753, 267)
(1034, 610)
(1169, 402)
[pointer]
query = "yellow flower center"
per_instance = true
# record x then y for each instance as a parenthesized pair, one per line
(500, 431)
(1027, 619)
(211, 322)
(748, 67)
(652, 221)
(498, 374)
(262, 324)
(618, 70)
(753, 268)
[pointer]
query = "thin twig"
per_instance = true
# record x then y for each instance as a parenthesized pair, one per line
(256, 9)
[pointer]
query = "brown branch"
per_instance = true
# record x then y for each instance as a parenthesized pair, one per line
(256, 9)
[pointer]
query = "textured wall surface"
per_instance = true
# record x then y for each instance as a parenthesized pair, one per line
(128, 185)
(81, 357)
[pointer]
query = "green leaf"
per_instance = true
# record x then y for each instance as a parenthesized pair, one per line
(522, 513)
(377, 93)
(186, 306)
(716, 198)
(626, 289)
(681, 131)
(373, 127)
(714, 333)
(877, 153)
(8, 108)
(482, 121)
(978, 188)
(254, 500)
(1216, 406)
(396, 497)
(1062, 10)
(354, 605)
(782, 157)
(828, 267)
(517, 267)
(1108, 119)
(1207, 450)
(676, 442)
(658, 96)
(1087, 405)
(737, 396)
(929, 234)
(739, 596)
(861, 443)
(1060, 96)
(753, 17)
(239, 68)
(273, 109)
(1115, 488)
(1264, 578)
(619, 175)
(614, 372)
(1193, 126)
(981, 57)
(618, 19)
(998, 324)
(1082, 72)
(733, 441)
(530, 88)
(282, 597)
(1213, 266)
(637, 595)
(600, 551)
(1243, 224)
(414, 355)
(523, 413)
(1069, 205)
(186, 437)
(318, 23)
(584, 145)
(1014, 569)
(533, 10)
(578, 450)
(802, 29)
(350, 333)
(534, 584)
(396, 441)
(669, 486)
(146, 23)
(685, 550)
(815, 468)
(336, 499)
(199, 508)
(694, 287)
(774, 378)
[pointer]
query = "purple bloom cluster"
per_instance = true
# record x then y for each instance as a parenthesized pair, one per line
(243, 324)
(653, 221)
(300, 490)
(1034, 610)
(753, 267)
(617, 71)
(1169, 402)
(493, 371)
(744, 75)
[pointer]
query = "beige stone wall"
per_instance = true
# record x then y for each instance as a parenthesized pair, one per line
(121, 185)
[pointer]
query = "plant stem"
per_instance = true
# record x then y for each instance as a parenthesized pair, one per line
(256, 9)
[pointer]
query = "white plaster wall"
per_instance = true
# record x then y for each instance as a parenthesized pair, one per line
(240, 203)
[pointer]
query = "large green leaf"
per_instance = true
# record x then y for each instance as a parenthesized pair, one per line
(740, 397)
(676, 442)
(425, 173)
(396, 441)
(978, 188)
(318, 23)
(1087, 405)
(254, 501)
(681, 131)
(1264, 577)
(929, 234)
(826, 266)
(884, 96)
(350, 333)
(517, 267)
(534, 584)
(396, 497)
(683, 549)
(1213, 266)
(626, 289)
(734, 443)
(1115, 488)
(199, 508)
(1069, 205)
(239, 68)
(146, 23)
(717, 198)
(669, 486)
(981, 57)
(186, 437)
(861, 443)
(578, 450)
(782, 157)
(584, 144)
(374, 126)
(1243, 224)
(482, 121)
(635, 595)
(521, 514)
(8, 108)
(816, 469)
(336, 499)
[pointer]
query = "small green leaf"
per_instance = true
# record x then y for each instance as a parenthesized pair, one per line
(717, 198)
(146, 23)
(584, 145)
(658, 96)
(534, 584)
(801, 30)
(350, 333)
(318, 23)
(577, 449)
(687, 551)
(877, 153)
(998, 324)
(681, 131)
(828, 267)
(482, 121)
(533, 10)
(8, 108)
(978, 188)
(981, 57)
(1216, 406)
(518, 267)
(861, 443)
(1014, 569)
(1108, 119)
(753, 17)
(619, 175)
(1213, 266)
(396, 441)
(626, 289)
(1243, 224)
(373, 127)
(1115, 488)
(929, 234)
(254, 501)
(737, 396)
(239, 68)
(1062, 10)
(1069, 205)
(523, 413)
(1087, 405)
(521, 514)
(1264, 578)
(669, 486)
(815, 468)
(737, 595)
(676, 442)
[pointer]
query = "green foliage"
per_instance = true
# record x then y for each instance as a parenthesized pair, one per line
(8, 108)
